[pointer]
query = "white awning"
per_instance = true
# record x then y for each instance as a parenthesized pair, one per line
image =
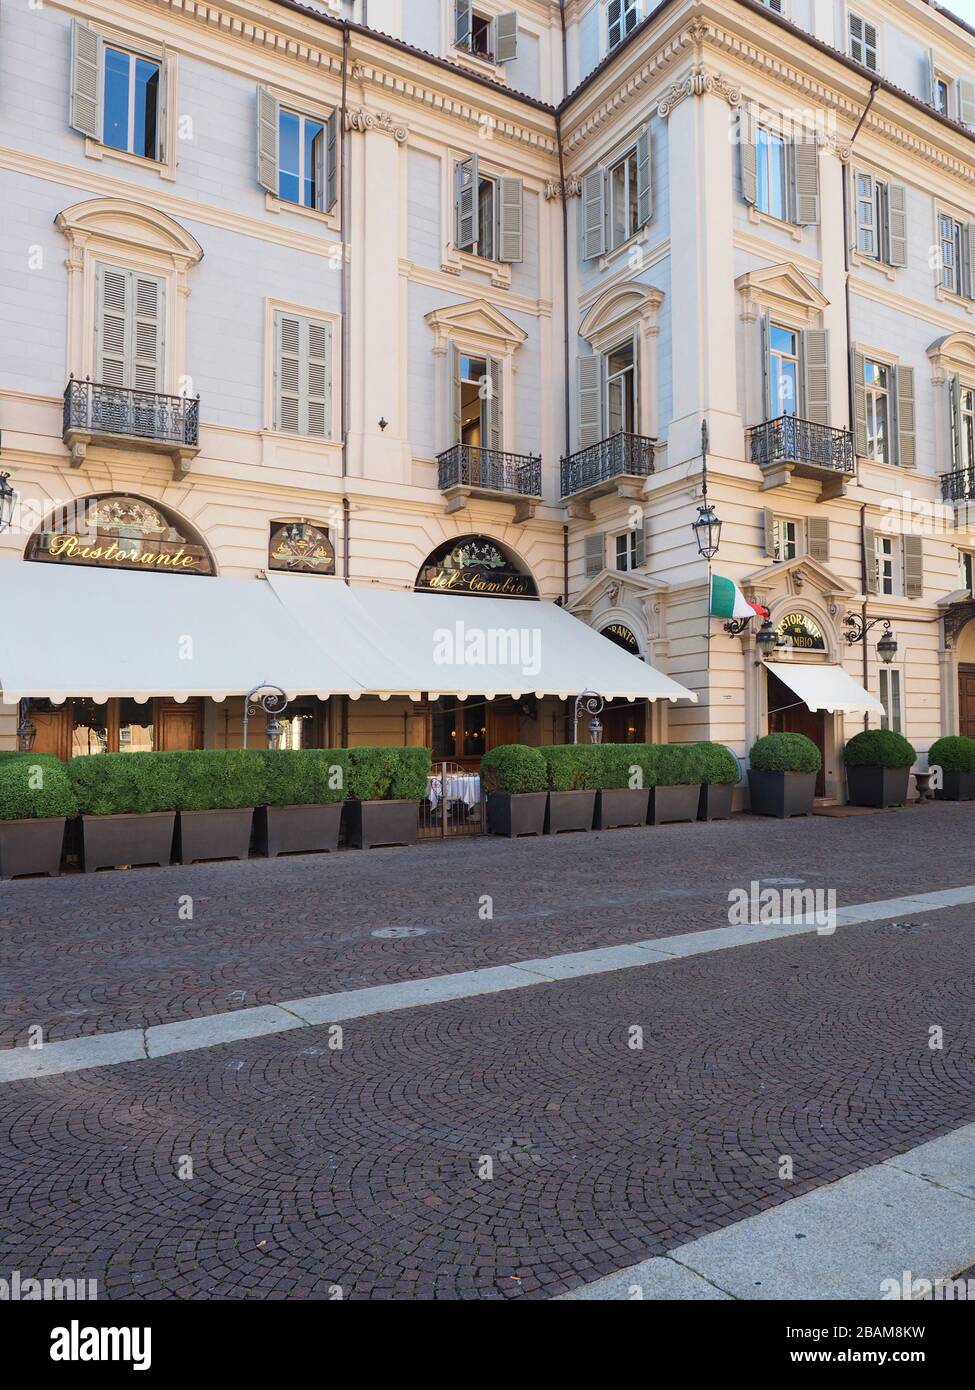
(826, 687)
(77, 630)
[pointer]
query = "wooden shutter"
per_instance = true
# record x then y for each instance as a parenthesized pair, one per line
(815, 375)
(493, 405)
(748, 154)
(595, 554)
(331, 161)
(455, 412)
(641, 546)
(318, 375)
(593, 215)
(113, 296)
(932, 79)
(644, 187)
(968, 260)
(267, 140)
(870, 546)
(463, 23)
(860, 403)
(162, 108)
(867, 226)
(86, 80)
(768, 517)
(303, 376)
(765, 331)
(817, 538)
(805, 158)
(590, 401)
(954, 408)
(906, 417)
(465, 205)
(506, 37)
(614, 16)
(966, 101)
(896, 224)
(147, 304)
(512, 220)
(913, 567)
(288, 374)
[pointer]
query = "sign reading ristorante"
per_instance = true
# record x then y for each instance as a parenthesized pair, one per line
(801, 632)
(118, 532)
(474, 566)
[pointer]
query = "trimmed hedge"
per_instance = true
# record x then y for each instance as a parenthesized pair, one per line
(954, 753)
(219, 779)
(35, 788)
(388, 774)
(514, 768)
(116, 784)
(571, 767)
(879, 748)
(306, 776)
(719, 766)
(785, 753)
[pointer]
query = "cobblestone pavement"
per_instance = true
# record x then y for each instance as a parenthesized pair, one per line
(109, 951)
(315, 1167)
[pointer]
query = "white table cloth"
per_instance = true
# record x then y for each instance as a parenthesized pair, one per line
(461, 786)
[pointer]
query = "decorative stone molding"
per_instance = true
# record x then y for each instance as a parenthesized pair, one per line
(379, 120)
(572, 188)
(953, 353)
(958, 616)
(698, 83)
(780, 287)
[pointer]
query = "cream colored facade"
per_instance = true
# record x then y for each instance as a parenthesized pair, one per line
(692, 286)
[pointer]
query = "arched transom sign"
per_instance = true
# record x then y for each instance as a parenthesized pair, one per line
(474, 565)
(118, 531)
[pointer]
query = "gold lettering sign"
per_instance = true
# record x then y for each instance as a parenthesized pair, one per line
(119, 532)
(801, 632)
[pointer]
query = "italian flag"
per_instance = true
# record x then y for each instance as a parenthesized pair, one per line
(728, 601)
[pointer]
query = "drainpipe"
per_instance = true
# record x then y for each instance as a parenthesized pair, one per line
(565, 564)
(863, 610)
(566, 365)
(344, 207)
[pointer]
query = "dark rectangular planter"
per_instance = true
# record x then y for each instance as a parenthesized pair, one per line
(958, 786)
(298, 829)
(716, 801)
(108, 842)
(781, 794)
(616, 806)
(569, 811)
(31, 846)
(520, 814)
(222, 834)
(669, 804)
(369, 823)
(877, 786)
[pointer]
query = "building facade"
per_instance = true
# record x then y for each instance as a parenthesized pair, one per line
(423, 294)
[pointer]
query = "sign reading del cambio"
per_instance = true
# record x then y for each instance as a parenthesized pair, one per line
(474, 565)
(121, 533)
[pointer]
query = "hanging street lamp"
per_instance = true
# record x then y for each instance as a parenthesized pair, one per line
(706, 527)
(7, 499)
(858, 629)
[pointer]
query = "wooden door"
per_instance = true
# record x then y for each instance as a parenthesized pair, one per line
(179, 727)
(787, 714)
(966, 701)
(53, 726)
(503, 722)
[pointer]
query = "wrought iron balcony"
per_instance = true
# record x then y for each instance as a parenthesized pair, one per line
(468, 470)
(602, 467)
(958, 486)
(98, 413)
(789, 445)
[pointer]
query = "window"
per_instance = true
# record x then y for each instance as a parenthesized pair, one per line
(297, 154)
(621, 17)
(117, 94)
(954, 240)
(863, 42)
(773, 187)
(783, 370)
(785, 538)
(966, 569)
(630, 548)
(775, 5)
(881, 209)
(129, 329)
(898, 564)
(878, 384)
(617, 200)
(890, 698)
(477, 393)
(488, 213)
(779, 172)
(619, 365)
(963, 424)
(885, 563)
(302, 375)
(495, 40)
(623, 199)
(941, 94)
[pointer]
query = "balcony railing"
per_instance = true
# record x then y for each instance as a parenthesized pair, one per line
(959, 486)
(619, 456)
(489, 470)
(791, 440)
(94, 409)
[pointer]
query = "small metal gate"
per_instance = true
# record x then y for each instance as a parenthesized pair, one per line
(454, 804)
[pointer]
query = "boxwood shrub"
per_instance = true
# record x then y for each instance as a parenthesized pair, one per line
(306, 776)
(879, 748)
(571, 767)
(35, 789)
(116, 784)
(719, 766)
(617, 761)
(514, 768)
(785, 753)
(677, 765)
(219, 779)
(954, 753)
(388, 774)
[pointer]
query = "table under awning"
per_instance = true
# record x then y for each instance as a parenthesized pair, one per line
(826, 688)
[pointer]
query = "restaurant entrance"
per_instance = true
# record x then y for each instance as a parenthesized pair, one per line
(789, 715)
(80, 726)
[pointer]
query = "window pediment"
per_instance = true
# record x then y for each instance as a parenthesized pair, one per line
(953, 353)
(618, 309)
(479, 322)
(794, 577)
(115, 222)
(783, 288)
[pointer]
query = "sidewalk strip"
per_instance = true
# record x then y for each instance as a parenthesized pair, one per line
(186, 1035)
(912, 1214)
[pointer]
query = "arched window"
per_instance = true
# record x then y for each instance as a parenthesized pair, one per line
(300, 547)
(475, 565)
(119, 531)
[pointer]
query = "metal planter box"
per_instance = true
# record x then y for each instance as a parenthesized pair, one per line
(958, 786)
(221, 834)
(369, 823)
(569, 811)
(669, 804)
(877, 786)
(618, 806)
(108, 842)
(520, 814)
(781, 794)
(31, 846)
(298, 829)
(716, 801)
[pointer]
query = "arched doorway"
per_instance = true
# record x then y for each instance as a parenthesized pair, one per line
(624, 721)
(802, 638)
(966, 680)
